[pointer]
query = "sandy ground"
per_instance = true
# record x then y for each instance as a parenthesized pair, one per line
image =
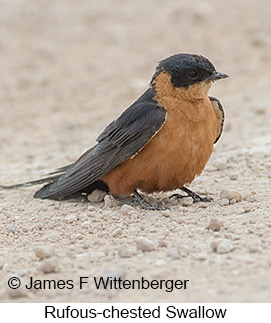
(70, 67)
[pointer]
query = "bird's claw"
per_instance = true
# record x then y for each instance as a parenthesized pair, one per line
(205, 199)
(196, 198)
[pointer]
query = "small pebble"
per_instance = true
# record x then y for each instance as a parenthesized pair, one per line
(173, 253)
(43, 252)
(255, 245)
(254, 249)
(200, 256)
(52, 236)
(245, 211)
(222, 246)
(233, 177)
(126, 209)
(250, 164)
(117, 232)
(160, 262)
(252, 199)
(91, 255)
(49, 265)
(231, 195)
(26, 227)
(109, 201)
(12, 229)
(202, 205)
(86, 224)
(214, 225)
(5, 267)
(166, 213)
(224, 202)
(117, 271)
(17, 293)
(258, 108)
(187, 201)
(220, 164)
(134, 216)
(162, 243)
(126, 251)
(70, 218)
(248, 259)
(183, 250)
(97, 196)
(144, 244)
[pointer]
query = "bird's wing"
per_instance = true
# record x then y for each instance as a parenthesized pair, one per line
(59, 171)
(218, 108)
(120, 140)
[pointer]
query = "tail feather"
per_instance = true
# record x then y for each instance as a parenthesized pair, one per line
(44, 193)
(31, 183)
(53, 176)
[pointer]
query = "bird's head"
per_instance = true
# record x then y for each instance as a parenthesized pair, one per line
(191, 72)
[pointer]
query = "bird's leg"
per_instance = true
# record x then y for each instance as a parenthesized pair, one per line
(146, 205)
(196, 198)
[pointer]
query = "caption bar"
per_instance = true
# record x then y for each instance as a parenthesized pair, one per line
(113, 312)
(163, 312)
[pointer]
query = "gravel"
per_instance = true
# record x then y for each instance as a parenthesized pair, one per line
(115, 271)
(127, 209)
(214, 225)
(43, 252)
(187, 201)
(49, 265)
(126, 251)
(220, 164)
(173, 253)
(224, 246)
(163, 243)
(71, 218)
(110, 202)
(166, 213)
(144, 244)
(117, 232)
(224, 202)
(17, 293)
(200, 256)
(252, 199)
(97, 196)
(13, 229)
(231, 195)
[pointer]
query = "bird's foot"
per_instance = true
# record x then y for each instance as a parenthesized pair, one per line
(196, 198)
(139, 200)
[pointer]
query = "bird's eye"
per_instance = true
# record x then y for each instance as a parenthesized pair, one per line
(192, 74)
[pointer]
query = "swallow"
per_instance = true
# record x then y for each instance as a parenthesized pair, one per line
(160, 143)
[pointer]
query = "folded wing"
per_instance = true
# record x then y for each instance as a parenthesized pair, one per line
(120, 140)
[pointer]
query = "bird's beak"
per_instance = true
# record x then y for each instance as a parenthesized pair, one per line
(217, 76)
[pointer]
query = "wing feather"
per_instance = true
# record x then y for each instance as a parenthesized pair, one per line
(218, 108)
(119, 141)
